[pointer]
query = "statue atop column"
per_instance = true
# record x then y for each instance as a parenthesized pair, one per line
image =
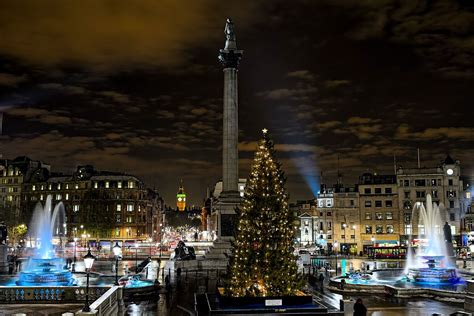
(230, 43)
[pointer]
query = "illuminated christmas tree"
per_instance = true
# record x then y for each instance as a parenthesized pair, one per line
(263, 263)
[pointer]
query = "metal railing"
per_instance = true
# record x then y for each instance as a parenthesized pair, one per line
(49, 294)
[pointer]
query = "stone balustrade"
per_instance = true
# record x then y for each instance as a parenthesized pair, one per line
(49, 294)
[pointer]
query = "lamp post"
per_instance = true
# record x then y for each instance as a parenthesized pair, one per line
(161, 238)
(335, 249)
(136, 257)
(74, 258)
(88, 262)
(354, 229)
(344, 245)
(117, 252)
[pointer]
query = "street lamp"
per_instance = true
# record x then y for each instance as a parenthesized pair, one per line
(117, 252)
(88, 262)
(136, 257)
(149, 244)
(344, 245)
(74, 258)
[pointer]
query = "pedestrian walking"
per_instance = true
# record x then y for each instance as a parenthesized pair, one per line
(343, 282)
(359, 308)
(321, 281)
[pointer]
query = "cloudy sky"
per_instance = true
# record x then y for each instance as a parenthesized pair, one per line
(135, 86)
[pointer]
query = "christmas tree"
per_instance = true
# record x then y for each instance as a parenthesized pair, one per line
(263, 263)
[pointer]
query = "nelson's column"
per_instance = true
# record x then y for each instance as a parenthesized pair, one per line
(229, 199)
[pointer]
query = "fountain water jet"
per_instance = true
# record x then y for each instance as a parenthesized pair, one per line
(43, 268)
(431, 263)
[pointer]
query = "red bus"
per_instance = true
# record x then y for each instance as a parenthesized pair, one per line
(395, 252)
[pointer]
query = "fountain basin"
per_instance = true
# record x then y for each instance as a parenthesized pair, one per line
(45, 272)
(432, 275)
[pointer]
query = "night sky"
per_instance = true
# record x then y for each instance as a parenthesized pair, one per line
(136, 86)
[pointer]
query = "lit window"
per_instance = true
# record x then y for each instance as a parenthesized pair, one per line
(421, 229)
(117, 232)
(67, 186)
(58, 197)
(131, 184)
(119, 184)
(76, 186)
(378, 216)
(33, 188)
(368, 215)
(42, 187)
(119, 207)
(407, 229)
(379, 229)
(67, 196)
(368, 203)
(41, 197)
(50, 187)
(10, 198)
(389, 215)
(107, 184)
(368, 229)
(130, 207)
(389, 229)
(59, 186)
(75, 208)
(96, 185)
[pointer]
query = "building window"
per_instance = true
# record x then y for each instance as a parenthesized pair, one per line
(118, 218)
(367, 191)
(119, 184)
(433, 182)
(451, 204)
(75, 208)
(41, 197)
(379, 216)
(67, 196)
(379, 229)
(119, 207)
(96, 184)
(117, 232)
(389, 229)
(406, 194)
(58, 197)
(407, 218)
(76, 186)
(368, 229)
(329, 225)
(368, 215)
(450, 182)
(129, 219)
(351, 203)
(378, 203)
(421, 229)
(129, 232)
(434, 193)
(452, 217)
(420, 194)
(67, 186)
(388, 215)
(420, 182)
(408, 230)
(378, 190)
(367, 203)
(42, 187)
(329, 236)
(328, 214)
(130, 208)
(50, 187)
(321, 226)
(107, 184)
(33, 188)
(388, 203)
(407, 205)
(388, 190)
(451, 193)
(406, 183)
(131, 184)
(59, 186)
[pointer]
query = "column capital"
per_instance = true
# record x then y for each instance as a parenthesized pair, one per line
(230, 58)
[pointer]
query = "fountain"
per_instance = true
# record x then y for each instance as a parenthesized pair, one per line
(431, 263)
(44, 269)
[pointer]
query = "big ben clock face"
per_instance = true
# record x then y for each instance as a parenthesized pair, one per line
(449, 172)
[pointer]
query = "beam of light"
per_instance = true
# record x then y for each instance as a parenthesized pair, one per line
(306, 166)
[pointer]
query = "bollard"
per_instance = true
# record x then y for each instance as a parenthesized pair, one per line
(341, 305)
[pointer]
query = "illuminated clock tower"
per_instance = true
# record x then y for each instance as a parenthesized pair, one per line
(181, 198)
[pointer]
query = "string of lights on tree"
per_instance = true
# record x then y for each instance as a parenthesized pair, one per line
(263, 263)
